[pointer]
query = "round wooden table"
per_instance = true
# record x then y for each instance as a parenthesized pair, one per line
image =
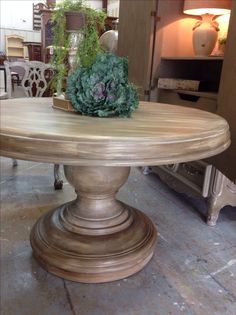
(96, 238)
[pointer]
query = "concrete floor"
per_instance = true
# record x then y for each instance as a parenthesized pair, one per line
(193, 270)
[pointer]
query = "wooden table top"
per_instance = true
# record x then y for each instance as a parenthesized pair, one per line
(156, 134)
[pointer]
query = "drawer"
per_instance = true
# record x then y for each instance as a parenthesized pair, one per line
(188, 100)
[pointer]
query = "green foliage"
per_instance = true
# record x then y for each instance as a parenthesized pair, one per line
(89, 46)
(102, 89)
(69, 5)
(222, 40)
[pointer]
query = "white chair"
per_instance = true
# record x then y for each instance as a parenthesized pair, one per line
(34, 77)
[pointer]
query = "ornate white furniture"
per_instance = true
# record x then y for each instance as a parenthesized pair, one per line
(96, 238)
(221, 192)
(197, 177)
(34, 83)
(33, 80)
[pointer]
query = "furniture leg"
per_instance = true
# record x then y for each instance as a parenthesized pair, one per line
(146, 170)
(222, 192)
(94, 238)
(12, 84)
(14, 163)
(58, 182)
(5, 80)
(216, 196)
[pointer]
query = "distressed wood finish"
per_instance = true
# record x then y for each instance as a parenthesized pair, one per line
(156, 134)
(96, 238)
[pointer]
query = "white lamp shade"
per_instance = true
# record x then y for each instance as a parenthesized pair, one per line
(200, 7)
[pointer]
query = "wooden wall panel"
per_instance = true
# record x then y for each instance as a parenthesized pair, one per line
(136, 39)
(226, 162)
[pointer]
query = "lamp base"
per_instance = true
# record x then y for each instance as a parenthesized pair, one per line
(205, 35)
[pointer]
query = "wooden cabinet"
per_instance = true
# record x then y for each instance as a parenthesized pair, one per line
(200, 177)
(146, 32)
(136, 31)
(190, 81)
(226, 161)
(149, 29)
(14, 46)
(34, 50)
(46, 33)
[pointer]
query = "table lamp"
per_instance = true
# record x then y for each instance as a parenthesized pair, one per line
(205, 32)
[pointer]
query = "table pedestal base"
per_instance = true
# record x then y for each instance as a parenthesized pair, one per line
(94, 238)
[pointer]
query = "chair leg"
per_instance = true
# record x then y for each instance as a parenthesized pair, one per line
(12, 84)
(58, 183)
(214, 207)
(146, 170)
(14, 163)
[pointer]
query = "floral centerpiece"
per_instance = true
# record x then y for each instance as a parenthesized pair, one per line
(98, 86)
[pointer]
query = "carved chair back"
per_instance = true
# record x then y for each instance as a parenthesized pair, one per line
(35, 78)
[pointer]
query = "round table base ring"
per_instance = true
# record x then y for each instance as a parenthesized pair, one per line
(93, 258)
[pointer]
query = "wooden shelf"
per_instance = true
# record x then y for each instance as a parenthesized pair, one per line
(205, 70)
(14, 46)
(15, 55)
(210, 95)
(210, 58)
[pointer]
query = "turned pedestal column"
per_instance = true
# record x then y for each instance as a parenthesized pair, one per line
(94, 238)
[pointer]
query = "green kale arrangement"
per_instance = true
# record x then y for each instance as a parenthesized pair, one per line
(102, 89)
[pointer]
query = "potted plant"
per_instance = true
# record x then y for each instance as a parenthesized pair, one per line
(68, 17)
(98, 84)
(75, 20)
